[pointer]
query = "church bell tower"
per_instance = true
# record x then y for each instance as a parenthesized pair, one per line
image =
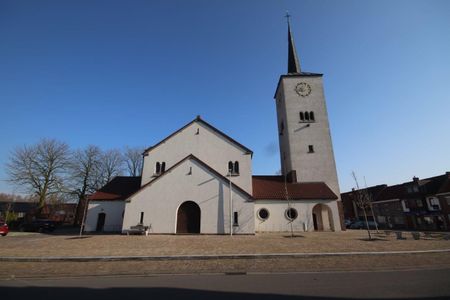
(306, 150)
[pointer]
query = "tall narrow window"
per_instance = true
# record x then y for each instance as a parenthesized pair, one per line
(230, 167)
(311, 115)
(142, 218)
(302, 116)
(310, 148)
(236, 167)
(307, 116)
(163, 167)
(158, 168)
(235, 219)
(281, 127)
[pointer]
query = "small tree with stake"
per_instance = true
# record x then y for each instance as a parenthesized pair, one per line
(362, 200)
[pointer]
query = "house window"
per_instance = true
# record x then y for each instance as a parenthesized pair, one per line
(302, 116)
(307, 116)
(434, 203)
(405, 205)
(311, 116)
(235, 219)
(263, 214)
(310, 149)
(142, 218)
(158, 168)
(163, 167)
(291, 214)
(281, 127)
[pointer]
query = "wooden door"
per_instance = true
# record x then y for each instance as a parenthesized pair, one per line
(100, 222)
(188, 218)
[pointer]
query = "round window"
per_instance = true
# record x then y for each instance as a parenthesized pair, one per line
(291, 214)
(263, 214)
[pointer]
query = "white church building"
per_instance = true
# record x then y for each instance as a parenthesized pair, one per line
(198, 180)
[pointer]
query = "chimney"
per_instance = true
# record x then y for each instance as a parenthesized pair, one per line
(416, 179)
(292, 177)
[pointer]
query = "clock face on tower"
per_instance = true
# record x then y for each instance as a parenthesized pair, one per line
(303, 89)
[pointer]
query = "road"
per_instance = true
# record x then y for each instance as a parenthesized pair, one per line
(418, 284)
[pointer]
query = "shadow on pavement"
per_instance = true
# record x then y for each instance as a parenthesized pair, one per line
(69, 293)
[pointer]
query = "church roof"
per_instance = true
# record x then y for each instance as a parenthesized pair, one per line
(293, 62)
(119, 188)
(193, 157)
(273, 188)
(198, 119)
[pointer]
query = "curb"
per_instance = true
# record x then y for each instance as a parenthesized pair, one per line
(207, 257)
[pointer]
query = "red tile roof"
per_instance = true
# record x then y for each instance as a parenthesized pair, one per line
(119, 188)
(273, 188)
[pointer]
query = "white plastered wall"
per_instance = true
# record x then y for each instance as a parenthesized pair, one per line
(206, 144)
(112, 209)
(277, 221)
(189, 181)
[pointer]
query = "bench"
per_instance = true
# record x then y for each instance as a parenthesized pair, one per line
(138, 229)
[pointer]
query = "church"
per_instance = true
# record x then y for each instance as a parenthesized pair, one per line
(198, 180)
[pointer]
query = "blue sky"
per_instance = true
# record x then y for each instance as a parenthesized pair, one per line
(116, 73)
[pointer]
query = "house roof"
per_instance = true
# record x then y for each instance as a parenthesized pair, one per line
(192, 157)
(427, 186)
(445, 188)
(273, 188)
(17, 206)
(198, 119)
(119, 188)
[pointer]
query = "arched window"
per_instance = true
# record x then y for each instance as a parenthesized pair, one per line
(163, 167)
(236, 167)
(230, 167)
(311, 115)
(302, 117)
(158, 168)
(307, 116)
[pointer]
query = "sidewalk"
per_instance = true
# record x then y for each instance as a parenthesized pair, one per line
(42, 255)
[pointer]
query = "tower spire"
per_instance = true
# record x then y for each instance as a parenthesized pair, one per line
(293, 62)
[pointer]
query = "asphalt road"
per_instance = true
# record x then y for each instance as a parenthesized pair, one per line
(417, 284)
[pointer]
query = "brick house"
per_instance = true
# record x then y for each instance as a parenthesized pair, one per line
(420, 204)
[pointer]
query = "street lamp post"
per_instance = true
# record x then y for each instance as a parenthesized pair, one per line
(231, 204)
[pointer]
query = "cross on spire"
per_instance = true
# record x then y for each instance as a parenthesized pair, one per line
(288, 17)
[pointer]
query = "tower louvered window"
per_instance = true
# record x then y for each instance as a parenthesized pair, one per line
(307, 116)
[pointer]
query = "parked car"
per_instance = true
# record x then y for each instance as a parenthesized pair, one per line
(348, 223)
(3, 228)
(38, 225)
(363, 225)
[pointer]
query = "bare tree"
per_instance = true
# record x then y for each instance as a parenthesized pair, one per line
(85, 176)
(39, 169)
(363, 201)
(111, 165)
(133, 159)
(85, 171)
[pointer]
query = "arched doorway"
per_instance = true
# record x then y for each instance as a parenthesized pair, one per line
(100, 222)
(188, 218)
(322, 218)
